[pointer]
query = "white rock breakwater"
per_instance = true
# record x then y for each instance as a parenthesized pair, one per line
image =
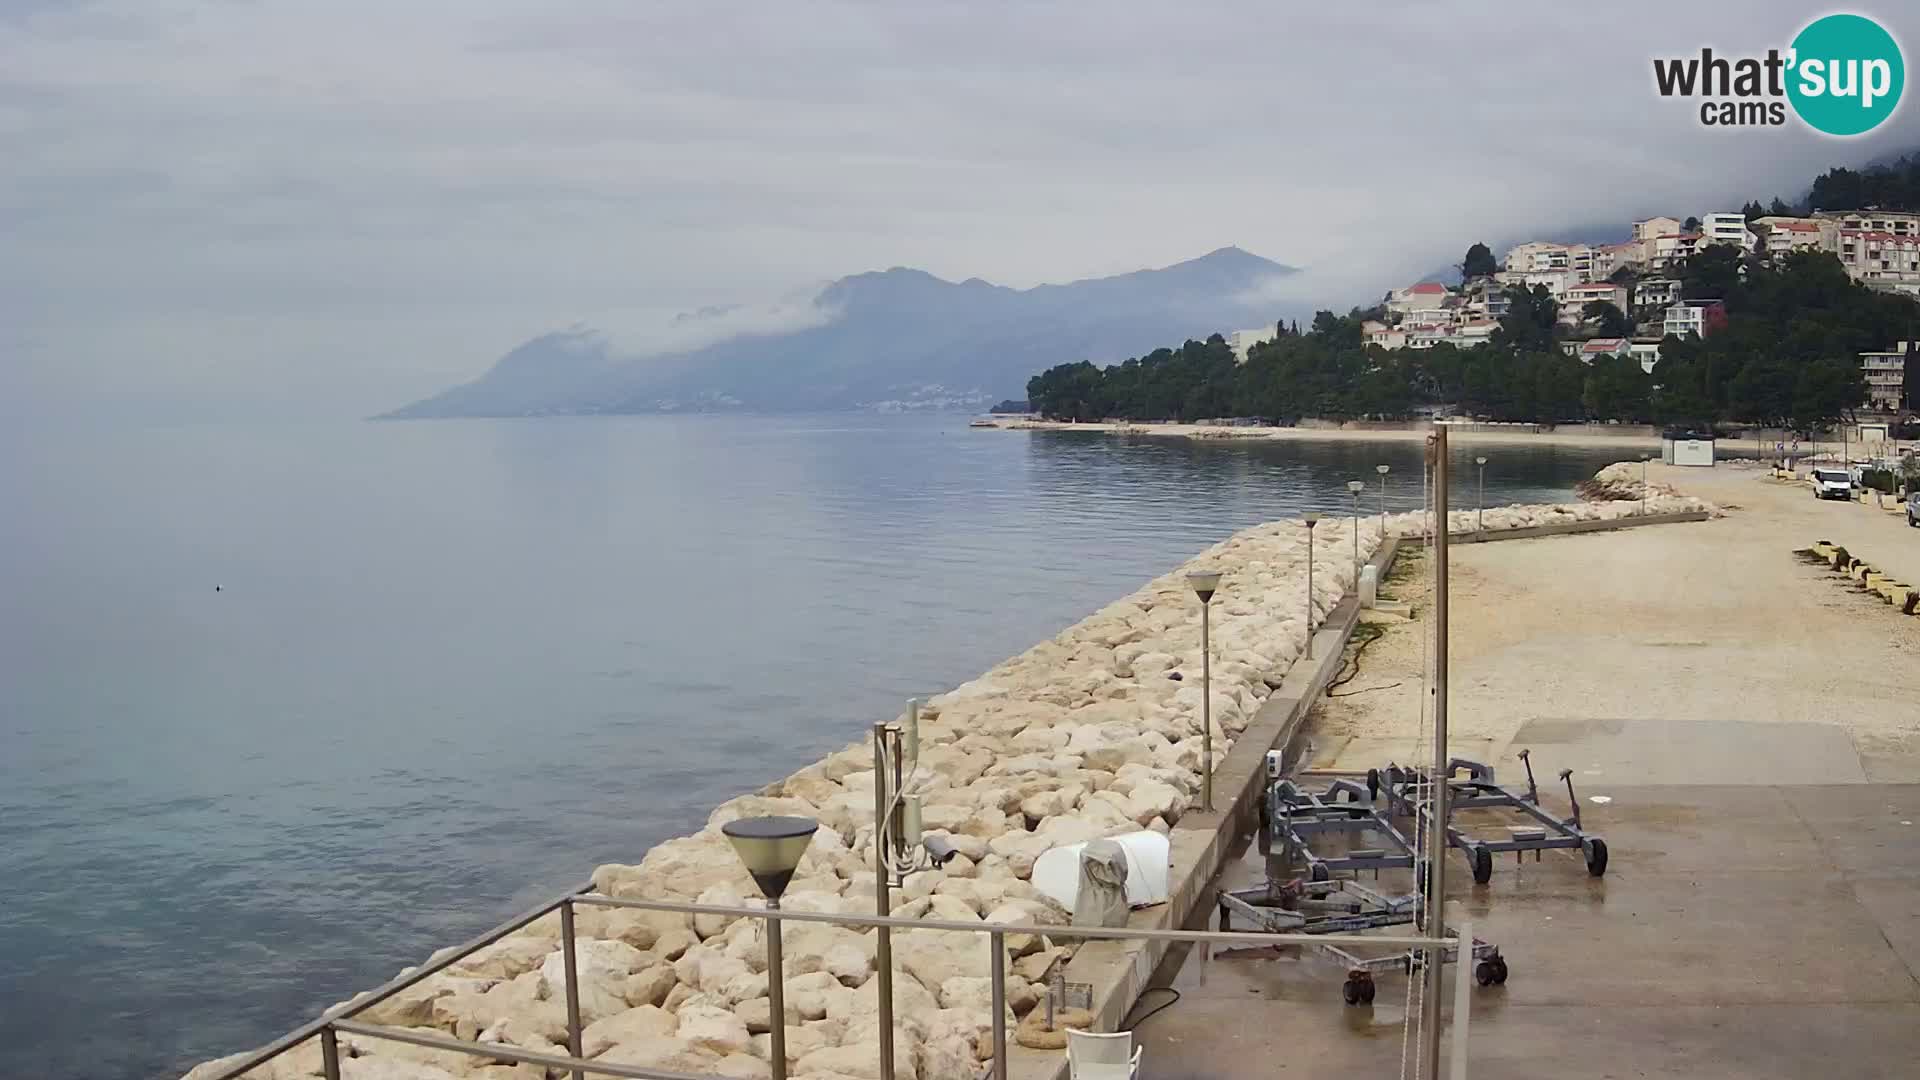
(1094, 732)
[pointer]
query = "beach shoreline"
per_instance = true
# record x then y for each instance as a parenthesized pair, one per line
(1635, 437)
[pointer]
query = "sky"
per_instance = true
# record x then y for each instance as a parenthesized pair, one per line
(311, 210)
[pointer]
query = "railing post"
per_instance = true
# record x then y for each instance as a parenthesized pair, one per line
(329, 1054)
(882, 902)
(572, 967)
(999, 941)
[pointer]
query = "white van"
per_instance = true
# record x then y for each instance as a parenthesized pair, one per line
(1832, 484)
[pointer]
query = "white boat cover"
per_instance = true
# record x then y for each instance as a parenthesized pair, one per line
(1056, 873)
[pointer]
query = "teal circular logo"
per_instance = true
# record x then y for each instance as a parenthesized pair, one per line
(1847, 74)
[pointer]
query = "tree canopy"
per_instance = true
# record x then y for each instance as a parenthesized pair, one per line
(1478, 262)
(1787, 354)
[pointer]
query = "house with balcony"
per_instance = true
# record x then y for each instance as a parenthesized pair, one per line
(1596, 348)
(1579, 296)
(1646, 351)
(1656, 292)
(1886, 376)
(1780, 236)
(1885, 260)
(1670, 248)
(1726, 228)
(1539, 256)
(1697, 317)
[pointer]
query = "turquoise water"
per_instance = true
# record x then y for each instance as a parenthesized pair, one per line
(282, 710)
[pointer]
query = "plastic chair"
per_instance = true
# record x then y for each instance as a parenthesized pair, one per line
(1093, 1055)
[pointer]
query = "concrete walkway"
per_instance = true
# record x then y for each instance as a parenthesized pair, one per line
(1753, 730)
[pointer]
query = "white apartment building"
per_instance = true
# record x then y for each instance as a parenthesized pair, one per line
(1538, 256)
(1726, 228)
(1886, 376)
(1649, 228)
(1670, 248)
(1783, 235)
(1579, 296)
(1896, 222)
(1469, 334)
(1697, 317)
(1655, 292)
(1243, 341)
(1881, 259)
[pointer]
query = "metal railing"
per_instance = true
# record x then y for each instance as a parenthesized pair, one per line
(328, 1026)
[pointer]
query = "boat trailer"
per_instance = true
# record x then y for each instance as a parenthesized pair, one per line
(1344, 907)
(1407, 792)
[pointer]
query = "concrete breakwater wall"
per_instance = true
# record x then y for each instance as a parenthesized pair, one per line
(1093, 732)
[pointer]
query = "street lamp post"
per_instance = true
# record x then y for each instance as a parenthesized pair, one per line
(1382, 470)
(1644, 458)
(1480, 509)
(771, 848)
(1354, 488)
(1204, 583)
(1312, 518)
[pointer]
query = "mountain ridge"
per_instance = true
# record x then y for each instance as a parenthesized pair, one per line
(895, 338)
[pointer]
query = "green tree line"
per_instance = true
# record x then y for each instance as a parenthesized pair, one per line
(1787, 355)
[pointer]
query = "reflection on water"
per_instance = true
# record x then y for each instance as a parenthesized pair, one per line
(451, 666)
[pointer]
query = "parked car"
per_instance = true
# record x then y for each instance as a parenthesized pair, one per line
(1832, 484)
(1913, 509)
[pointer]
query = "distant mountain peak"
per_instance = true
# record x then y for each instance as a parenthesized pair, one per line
(899, 334)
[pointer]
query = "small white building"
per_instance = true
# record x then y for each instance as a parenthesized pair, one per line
(1243, 341)
(1656, 292)
(1696, 317)
(1726, 228)
(1578, 296)
(1647, 352)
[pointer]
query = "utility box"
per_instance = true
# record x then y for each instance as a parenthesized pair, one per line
(1687, 448)
(1369, 586)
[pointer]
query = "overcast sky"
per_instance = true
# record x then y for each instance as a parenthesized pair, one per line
(328, 209)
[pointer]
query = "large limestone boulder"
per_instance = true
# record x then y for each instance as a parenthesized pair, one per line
(669, 1053)
(645, 1022)
(861, 1060)
(743, 1067)
(807, 994)
(757, 1014)
(707, 969)
(947, 1058)
(413, 1006)
(934, 956)
(723, 894)
(603, 967)
(683, 868)
(651, 985)
(510, 956)
(913, 1005)
(714, 1029)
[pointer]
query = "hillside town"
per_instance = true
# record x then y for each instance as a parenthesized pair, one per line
(1624, 299)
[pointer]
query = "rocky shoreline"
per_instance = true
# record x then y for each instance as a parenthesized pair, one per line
(1093, 732)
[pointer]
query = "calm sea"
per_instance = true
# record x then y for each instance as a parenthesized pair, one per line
(284, 709)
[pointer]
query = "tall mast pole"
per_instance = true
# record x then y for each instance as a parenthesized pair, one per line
(1440, 787)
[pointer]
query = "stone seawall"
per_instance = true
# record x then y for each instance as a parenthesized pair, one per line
(1093, 732)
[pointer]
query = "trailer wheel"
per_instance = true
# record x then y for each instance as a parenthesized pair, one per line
(1597, 858)
(1318, 872)
(1358, 989)
(1482, 866)
(1373, 784)
(1499, 971)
